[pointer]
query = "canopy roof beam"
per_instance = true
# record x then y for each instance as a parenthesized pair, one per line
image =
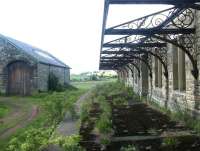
(133, 45)
(147, 32)
(170, 2)
(126, 60)
(161, 54)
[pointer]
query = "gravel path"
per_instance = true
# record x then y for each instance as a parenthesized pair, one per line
(69, 125)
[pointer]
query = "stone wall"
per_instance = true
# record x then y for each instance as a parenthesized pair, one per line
(10, 53)
(63, 75)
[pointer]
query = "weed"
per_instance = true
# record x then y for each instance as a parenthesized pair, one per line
(105, 141)
(69, 143)
(85, 110)
(129, 148)
(179, 115)
(3, 110)
(171, 143)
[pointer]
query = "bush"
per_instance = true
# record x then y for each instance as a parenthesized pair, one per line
(55, 105)
(31, 140)
(3, 110)
(52, 82)
(69, 143)
(85, 108)
(104, 124)
(171, 143)
(39, 139)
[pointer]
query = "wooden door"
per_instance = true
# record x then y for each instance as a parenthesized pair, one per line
(19, 78)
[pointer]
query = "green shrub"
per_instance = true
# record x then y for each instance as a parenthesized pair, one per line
(54, 105)
(104, 124)
(31, 140)
(3, 110)
(68, 86)
(171, 143)
(40, 139)
(52, 82)
(85, 110)
(69, 143)
(179, 115)
(105, 140)
(120, 101)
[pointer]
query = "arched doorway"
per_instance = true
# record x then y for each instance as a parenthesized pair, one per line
(19, 78)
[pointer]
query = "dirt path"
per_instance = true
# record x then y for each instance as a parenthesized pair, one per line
(80, 102)
(19, 117)
(69, 125)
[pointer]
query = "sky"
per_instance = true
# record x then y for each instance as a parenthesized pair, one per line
(68, 29)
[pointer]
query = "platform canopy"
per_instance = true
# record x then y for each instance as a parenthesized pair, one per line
(150, 34)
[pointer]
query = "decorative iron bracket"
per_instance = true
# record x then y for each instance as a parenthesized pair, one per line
(179, 19)
(128, 58)
(160, 53)
(136, 67)
(186, 44)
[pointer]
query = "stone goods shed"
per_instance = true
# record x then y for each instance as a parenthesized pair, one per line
(25, 69)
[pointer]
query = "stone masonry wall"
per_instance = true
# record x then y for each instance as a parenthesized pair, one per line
(63, 75)
(8, 54)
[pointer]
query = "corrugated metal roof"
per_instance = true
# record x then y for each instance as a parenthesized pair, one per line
(41, 55)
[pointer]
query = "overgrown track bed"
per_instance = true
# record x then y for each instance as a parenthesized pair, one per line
(140, 119)
(114, 120)
(149, 130)
(89, 140)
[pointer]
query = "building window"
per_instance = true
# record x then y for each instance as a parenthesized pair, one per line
(179, 74)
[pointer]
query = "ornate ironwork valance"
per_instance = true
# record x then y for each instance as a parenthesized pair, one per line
(150, 34)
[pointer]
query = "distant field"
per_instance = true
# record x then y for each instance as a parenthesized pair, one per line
(89, 84)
